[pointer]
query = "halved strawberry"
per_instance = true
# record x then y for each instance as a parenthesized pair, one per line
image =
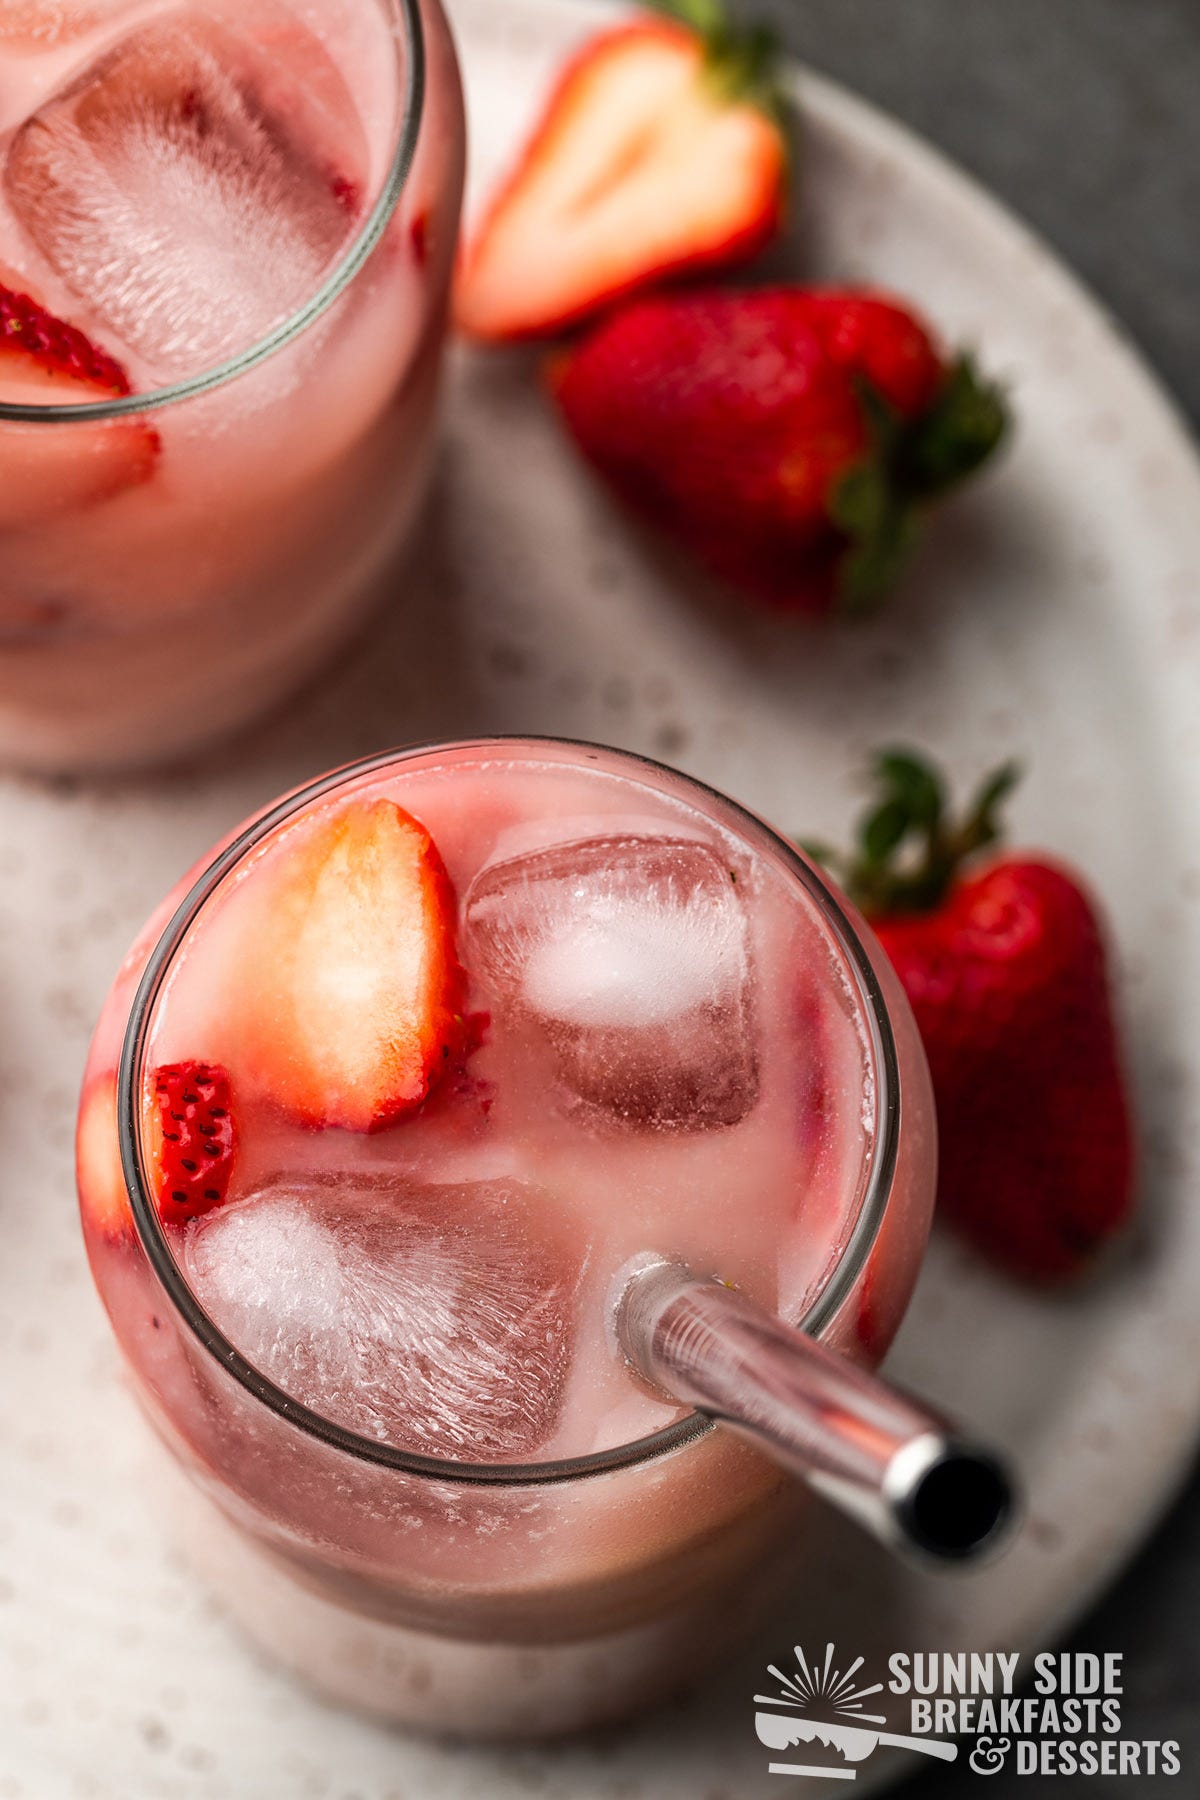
(103, 1199)
(351, 1002)
(662, 151)
(49, 467)
(192, 1140)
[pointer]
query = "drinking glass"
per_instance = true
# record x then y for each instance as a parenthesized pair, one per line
(490, 1599)
(279, 486)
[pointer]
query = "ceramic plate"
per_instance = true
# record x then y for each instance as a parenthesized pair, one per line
(1056, 612)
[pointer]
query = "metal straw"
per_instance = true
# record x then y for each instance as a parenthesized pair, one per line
(882, 1457)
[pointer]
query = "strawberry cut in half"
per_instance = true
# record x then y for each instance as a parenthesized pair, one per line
(351, 1004)
(663, 151)
(193, 1140)
(50, 468)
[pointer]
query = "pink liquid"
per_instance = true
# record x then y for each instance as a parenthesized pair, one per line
(274, 506)
(536, 1606)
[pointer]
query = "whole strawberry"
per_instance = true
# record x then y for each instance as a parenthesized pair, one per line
(1004, 964)
(790, 437)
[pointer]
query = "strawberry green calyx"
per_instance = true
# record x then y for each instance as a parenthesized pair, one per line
(910, 848)
(882, 531)
(964, 427)
(742, 63)
(877, 504)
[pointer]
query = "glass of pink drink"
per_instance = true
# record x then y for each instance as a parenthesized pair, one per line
(226, 234)
(382, 1102)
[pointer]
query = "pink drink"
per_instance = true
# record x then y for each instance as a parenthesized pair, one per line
(483, 1521)
(248, 209)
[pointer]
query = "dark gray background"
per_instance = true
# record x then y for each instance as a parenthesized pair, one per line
(1085, 116)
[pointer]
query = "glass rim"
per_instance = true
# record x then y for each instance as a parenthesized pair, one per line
(837, 1283)
(406, 14)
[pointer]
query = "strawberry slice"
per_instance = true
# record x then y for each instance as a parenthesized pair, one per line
(352, 993)
(50, 468)
(102, 1196)
(662, 151)
(192, 1140)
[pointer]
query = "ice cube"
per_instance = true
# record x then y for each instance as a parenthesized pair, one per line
(44, 24)
(434, 1318)
(631, 956)
(191, 186)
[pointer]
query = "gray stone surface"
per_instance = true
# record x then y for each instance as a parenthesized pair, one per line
(1084, 116)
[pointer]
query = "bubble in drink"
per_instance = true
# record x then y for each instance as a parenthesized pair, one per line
(196, 183)
(433, 1318)
(631, 956)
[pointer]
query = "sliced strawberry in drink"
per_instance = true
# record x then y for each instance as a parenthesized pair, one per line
(102, 1196)
(192, 1139)
(351, 1005)
(46, 468)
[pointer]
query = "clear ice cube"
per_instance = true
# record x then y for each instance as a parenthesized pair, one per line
(631, 957)
(191, 186)
(45, 24)
(437, 1318)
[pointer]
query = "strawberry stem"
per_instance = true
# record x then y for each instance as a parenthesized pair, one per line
(910, 849)
(743, 62)
(708, 18)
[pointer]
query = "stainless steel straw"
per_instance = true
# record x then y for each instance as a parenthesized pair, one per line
(880, 1456)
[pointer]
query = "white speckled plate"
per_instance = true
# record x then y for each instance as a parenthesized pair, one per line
(1057, 613)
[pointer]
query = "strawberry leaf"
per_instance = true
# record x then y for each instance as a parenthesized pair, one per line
(982, 826)
(915, 783)
(910, 850)
(708, 18)
(742, 62)
(877, 504)
(963, 428)
(883, 830)
(881, 535)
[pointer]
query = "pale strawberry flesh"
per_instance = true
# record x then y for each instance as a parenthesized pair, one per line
(352, 995)
(102, 1195)
(642, 168)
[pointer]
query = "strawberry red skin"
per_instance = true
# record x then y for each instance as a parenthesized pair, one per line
(1009, 983)
(194, 1139)
(876, 338)
(45, 361)
(730, 419)
(27, 329)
